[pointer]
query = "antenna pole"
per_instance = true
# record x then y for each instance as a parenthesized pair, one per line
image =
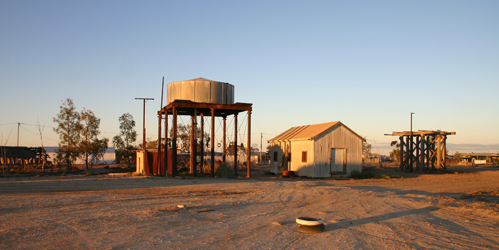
(18, 125)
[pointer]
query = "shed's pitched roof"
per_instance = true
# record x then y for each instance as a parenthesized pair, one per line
(309, 132)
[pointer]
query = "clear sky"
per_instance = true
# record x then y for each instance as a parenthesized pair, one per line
(368, 64)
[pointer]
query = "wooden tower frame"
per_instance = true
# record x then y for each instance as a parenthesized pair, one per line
(194, 109)
(423, 150)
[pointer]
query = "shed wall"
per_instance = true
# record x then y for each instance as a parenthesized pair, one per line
(338, 137)
(302, 168)
(276, 156)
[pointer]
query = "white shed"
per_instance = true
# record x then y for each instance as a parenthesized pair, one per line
(319, 150)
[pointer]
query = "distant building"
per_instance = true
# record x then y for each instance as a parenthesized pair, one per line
(109, 156)
(20, 155)
(479, 158)
(319, 150)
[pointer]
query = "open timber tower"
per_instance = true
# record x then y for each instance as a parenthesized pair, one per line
(202, 98)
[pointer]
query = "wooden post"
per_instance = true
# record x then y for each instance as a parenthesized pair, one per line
(423, 153)
(418, 152)
(444, 150)
(439, 151)
(401, 149)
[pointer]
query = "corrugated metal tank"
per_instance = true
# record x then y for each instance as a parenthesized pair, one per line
(201, 90)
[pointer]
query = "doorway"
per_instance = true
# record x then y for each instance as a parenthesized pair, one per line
(338, 161)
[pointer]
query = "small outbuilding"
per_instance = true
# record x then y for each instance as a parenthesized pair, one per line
(319, 150)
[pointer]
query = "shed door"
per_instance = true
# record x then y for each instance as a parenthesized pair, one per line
(338, 160)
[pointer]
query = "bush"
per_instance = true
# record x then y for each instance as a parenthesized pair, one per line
(206, 169)
(225, 171)
(361, 175)
(368, 175)
(182, 170)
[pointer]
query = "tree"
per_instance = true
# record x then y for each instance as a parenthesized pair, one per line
(255, 148)
(396, 151)
(184, 138)
(68, 128)
(90, 144)
(42, 153)
(99, 148)
(150, 144)
(366, 148)
(240, 149)
(128, 135)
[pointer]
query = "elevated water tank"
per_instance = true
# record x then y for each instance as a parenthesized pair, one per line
(201, 90)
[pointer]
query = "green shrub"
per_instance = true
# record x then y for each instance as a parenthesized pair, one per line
(368, 175)
(225, 171)
(361, 175)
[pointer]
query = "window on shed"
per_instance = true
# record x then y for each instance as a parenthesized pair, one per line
(304, 156)
(275, 156)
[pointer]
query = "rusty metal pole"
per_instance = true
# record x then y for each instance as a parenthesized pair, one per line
(174, 143)
(158, 156)
(192, 160)
(224, 147)
(248, 173)
(160, 116)
(235, 145)
(165, 160)
(213, 142)
(195, 143)
(202, 142)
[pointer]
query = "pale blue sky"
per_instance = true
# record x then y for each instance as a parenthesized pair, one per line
(368, 64)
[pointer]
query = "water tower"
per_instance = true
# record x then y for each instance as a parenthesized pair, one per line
(199, 97)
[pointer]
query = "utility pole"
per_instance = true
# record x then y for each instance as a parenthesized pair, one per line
(144, 128)
(18, 125)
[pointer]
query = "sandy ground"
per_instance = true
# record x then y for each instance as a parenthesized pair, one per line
(446, 211)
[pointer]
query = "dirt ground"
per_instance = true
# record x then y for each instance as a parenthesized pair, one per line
(430, 211)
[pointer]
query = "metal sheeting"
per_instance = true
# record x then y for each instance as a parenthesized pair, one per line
(201, 90)
(307, 132)
(318, 141)
(339, 138)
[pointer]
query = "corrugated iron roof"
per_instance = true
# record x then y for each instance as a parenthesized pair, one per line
(309, 132)
(306, 132)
